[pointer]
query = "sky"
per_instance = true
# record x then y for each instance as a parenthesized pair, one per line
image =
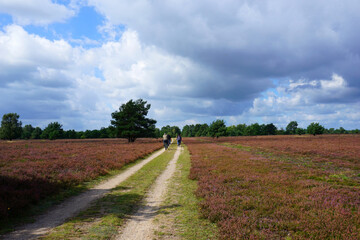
(244, 61)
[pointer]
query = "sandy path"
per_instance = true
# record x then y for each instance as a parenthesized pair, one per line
(140, 226)
(74, 205)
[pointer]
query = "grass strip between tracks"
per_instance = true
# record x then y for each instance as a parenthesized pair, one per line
(104, 218)
(179, 217)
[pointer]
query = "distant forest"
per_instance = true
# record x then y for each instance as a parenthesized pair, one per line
(217, 128)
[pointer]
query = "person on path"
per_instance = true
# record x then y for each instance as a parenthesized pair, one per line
(165, 140)
(169, 139)
(178, 139)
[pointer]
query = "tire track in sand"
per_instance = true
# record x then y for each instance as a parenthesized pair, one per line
(140, 226)
(73, 205)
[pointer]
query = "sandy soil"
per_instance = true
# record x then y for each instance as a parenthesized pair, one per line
(141, 225)
(74, 205)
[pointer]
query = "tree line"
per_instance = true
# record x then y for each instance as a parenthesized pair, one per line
(218, 128)
(11, 128)
(130, 122)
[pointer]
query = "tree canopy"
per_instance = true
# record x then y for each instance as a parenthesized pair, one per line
(27, 131)
(53, 131)
(10, 126)
(291, 127)
(217, 128)
(36, 134)
(130, 121)
(315, 128)
(171, 130)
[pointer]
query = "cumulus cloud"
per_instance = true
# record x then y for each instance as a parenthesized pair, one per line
(241, 45)
(34, 74)
(331, 102)
(38, 12)
(251, 38)
(193, 61)
(63, 81)
(45, 81)
(24, 56)
(131, 70)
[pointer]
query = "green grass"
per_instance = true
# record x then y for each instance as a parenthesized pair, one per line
(244, 148)
(179, 215)
(103, 219)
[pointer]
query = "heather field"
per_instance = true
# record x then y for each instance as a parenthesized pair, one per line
(279, 187)
(33, 170)
(341, 150)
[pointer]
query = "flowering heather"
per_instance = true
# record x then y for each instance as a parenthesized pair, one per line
(32, 170)
(342, 150)
(264, 196)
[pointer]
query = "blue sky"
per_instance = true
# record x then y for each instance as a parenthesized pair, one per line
(82, 25)
(276, 61)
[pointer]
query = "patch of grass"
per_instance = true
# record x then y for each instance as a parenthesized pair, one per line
(179, 216)
(241, 147)
(339, 176)
(104, 218)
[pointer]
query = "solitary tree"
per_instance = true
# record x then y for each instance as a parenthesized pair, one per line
(315, 128)
(10, 126)
(130, 121)
(217, 128)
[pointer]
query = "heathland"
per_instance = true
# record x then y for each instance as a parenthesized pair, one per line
(36, 169)
(259, 187)
(279, 187)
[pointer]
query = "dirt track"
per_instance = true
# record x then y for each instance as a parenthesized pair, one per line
(141, 226)
(73, 205)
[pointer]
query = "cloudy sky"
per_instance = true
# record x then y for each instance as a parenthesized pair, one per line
(244, 61)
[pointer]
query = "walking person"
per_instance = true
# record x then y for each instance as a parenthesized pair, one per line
(169, 139)
(165, 141)
(178, 139)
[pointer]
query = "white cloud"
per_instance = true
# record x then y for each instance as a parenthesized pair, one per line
(131, 70)
(128, 69)
(38, 12)
(240, 24)
(248, 41)
(190, 59)
(336, 83)
(306, 102)
(18, 48)
(34, 75)
(110, 31)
